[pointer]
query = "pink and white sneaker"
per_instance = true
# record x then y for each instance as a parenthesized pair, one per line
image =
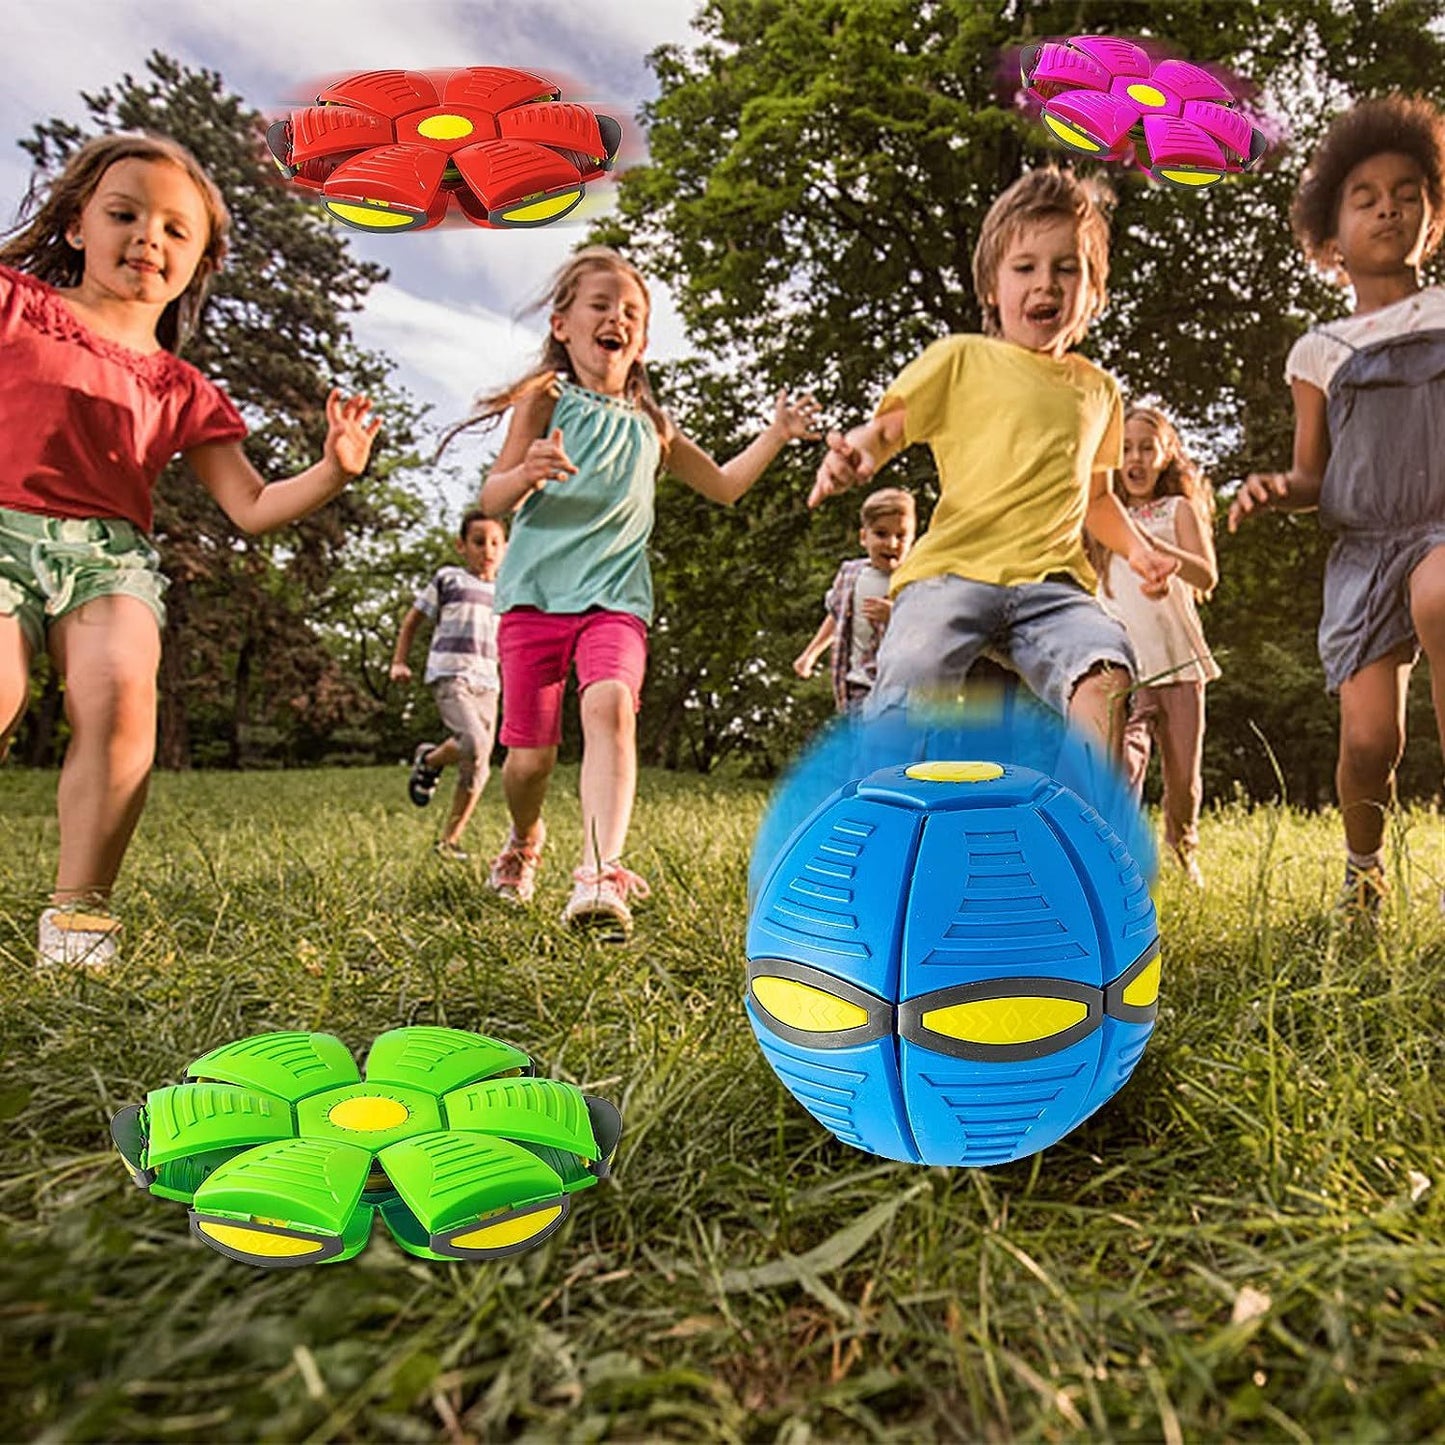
(600, 900)
(513, 873)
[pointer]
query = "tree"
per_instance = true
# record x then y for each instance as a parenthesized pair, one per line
(819, 171)
(245, 644)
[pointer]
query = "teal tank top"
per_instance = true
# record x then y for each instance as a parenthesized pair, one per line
(582, 542)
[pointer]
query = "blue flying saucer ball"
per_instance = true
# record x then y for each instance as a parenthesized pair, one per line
(953, 962)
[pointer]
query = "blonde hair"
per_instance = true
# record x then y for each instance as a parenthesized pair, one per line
(40, 246)
(1179, 477)
(887, 502)
(554, 361)
(1047, 193)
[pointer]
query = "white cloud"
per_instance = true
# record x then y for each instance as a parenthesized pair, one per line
(447, 351)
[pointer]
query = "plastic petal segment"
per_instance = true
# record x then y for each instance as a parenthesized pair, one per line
(439, 1060)
(191, 1119)
(447, 1180)
(537, 1111)
(289, 1065)
(299, 1183)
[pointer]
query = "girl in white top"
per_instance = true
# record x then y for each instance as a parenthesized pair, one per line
(1172, 503)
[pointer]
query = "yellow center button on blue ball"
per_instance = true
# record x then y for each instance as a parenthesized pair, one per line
(954, 772)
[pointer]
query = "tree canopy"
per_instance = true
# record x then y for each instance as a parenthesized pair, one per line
(818, 174)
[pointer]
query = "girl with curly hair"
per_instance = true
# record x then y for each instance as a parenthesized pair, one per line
(1369, 392)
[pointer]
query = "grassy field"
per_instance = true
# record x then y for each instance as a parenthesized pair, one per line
(1248, 1243)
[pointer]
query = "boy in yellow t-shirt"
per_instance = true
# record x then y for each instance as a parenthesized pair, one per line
(1024, 433)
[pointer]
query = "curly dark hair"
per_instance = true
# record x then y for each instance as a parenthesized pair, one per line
(1408, 124)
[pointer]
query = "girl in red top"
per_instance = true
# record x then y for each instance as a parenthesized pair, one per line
(97, 293)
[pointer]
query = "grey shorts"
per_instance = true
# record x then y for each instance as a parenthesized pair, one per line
(1367, 598)
(51, 565)
(1053, 633)
(469, 713)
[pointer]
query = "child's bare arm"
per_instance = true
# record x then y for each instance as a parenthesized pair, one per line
(1111, 525)
(859, 454)
(400, 668)
(529, 458)
(689, 463)
(1298, 489)
(823, 638)
(254, 505)
(1195, 551)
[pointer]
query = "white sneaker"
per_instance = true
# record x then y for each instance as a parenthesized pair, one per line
(599, 899)
(68, 936)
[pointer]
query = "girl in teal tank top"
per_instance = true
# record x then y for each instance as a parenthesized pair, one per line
(577, 472)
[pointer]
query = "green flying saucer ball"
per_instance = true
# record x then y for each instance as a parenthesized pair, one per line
(284, 1152)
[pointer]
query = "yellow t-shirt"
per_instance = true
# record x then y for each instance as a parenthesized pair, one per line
(1015, 435)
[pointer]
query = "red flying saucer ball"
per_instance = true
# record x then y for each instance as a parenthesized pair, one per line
(389, 150)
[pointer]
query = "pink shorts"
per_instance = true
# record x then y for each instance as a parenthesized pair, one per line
(537, 648)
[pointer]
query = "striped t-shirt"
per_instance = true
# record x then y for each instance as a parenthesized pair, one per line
(464, 640)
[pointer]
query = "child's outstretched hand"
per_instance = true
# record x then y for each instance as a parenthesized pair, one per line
(546, 461)
(400, 672)
(349, 435)
(1154, 570)
(845, 464)
(797, 420)
(1258, 493)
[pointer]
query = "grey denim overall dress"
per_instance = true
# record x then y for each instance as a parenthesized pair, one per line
(1383, 495)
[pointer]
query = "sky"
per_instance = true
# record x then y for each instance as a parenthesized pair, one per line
(450, 314)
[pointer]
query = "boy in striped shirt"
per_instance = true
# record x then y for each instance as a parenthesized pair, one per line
(461, 669)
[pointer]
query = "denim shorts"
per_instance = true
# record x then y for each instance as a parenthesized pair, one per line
(51, 565)
(1053, 634)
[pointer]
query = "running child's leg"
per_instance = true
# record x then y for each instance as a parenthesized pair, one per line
(473, 725)
(14, 678)
(1372, 741)
(1075, 657)
(1427, 612)
(525, 775)
(107, 651)
(444, 755)
(1144, 717)
(534, 650)
(938, 629)
(1181, 756)
(1098, 704)
(609, 771)
(611, 666)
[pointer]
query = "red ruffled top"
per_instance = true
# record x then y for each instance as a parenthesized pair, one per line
(86, 425)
